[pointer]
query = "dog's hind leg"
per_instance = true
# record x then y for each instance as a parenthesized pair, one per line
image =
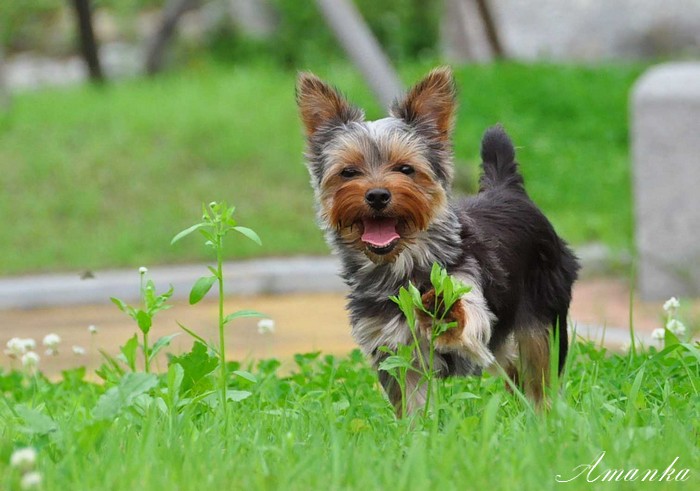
(533, 362)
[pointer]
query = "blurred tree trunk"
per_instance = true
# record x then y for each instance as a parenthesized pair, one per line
(256, 18)
(454, 32)
(88, 44)
(155, 51)
(490, 28)
(469, 31)
(360, 44)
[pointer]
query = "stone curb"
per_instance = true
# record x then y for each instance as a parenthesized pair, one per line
(255, 277)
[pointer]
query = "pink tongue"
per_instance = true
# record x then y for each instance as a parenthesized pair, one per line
(379, 232)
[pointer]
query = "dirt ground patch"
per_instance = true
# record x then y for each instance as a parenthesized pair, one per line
(303, 323)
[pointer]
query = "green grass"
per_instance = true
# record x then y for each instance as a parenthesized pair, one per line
(327, 426)
(103, 177)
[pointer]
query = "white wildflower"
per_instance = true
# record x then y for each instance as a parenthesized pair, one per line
(29, 344)
(79, 350)
(92, 329)
(31, 480)
(51, 341)
(671, 305)
(143, 270)
(266, 325)
(658, 334)
(15, 348)
(676, 327)
(30, 359)
(23, 459)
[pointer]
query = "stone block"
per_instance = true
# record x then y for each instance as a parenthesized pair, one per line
(665, 134)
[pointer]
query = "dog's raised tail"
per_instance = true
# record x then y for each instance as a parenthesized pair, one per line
(498, 160)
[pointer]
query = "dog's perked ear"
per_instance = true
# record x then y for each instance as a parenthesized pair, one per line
(321, 105)
(431, 103)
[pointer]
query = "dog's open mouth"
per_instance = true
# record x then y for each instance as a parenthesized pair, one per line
(380, 234)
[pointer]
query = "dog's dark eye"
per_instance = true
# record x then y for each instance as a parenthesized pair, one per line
(405, 169)
(349, 172)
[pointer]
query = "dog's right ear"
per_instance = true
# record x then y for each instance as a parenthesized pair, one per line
(320, 104)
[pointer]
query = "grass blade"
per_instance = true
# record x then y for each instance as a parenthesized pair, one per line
(242, 314)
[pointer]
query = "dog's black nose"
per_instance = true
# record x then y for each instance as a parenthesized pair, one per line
(378, 198)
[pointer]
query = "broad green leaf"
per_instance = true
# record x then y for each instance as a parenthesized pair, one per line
(405, 303)
(187, 232)
(129, 352)
(123, 306)
(197, 364)
(175, 376)
(198, 338)
(208, 236)
(249, 233)
(110, 371)
(120, 304)
(241, 314)
(200, 288)
(35, 422)
(693, 350)
(163, 297)
(246, 375)
(237, 395)
(634, 391)
(116, 399)
(448, 295)
(462, 290)
(228, 220)
(144, 321)
(161, 343)
(669, 338)
(393, 362)
(150, 292)
(435, 276)
(415, 295)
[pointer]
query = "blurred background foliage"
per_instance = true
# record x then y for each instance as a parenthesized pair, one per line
(406, 29)
(123, 166)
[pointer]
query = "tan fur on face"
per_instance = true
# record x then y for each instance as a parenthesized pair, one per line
(415, 202)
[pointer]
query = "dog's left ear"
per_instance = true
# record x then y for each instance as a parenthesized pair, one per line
(321, 105)
(433, 101)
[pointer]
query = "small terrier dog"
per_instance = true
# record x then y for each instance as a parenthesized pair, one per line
(383, 190)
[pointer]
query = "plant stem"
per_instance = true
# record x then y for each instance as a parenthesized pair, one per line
(146, 356)
(146, 361)
(402, 384)
(421, 360)
(429, 373)
(222, 346)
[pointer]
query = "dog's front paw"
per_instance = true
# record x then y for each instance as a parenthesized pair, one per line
(456, 315)
(471, 329)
